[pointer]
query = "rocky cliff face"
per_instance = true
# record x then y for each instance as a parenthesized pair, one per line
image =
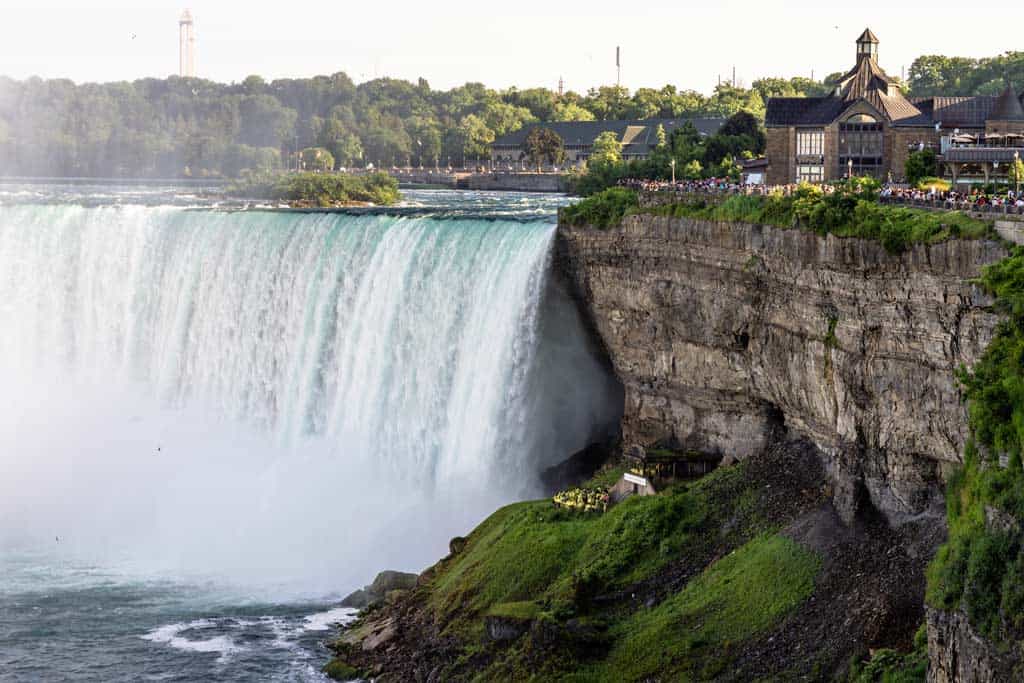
(721, 333)
(957, 654)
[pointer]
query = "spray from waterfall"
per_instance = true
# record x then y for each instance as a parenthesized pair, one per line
(277, 397)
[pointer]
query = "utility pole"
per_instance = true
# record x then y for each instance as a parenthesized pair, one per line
(618, 67)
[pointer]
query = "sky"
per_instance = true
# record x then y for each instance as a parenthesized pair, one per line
(525, 43)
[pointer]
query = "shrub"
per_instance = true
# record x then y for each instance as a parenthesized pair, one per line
(851, 211)
(920, 165)
(323, 188)
(602, 210)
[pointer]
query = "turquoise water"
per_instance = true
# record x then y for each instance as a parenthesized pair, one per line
(214, 424)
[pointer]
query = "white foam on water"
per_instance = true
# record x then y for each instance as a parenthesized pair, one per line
(171, 635)
(323, 621)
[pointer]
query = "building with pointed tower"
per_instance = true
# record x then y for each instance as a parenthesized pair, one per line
(867, 126)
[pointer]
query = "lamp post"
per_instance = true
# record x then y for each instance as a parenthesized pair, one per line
(849, 169)
(673, 165)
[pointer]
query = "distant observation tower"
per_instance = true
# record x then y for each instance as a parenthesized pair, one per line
(186, 46)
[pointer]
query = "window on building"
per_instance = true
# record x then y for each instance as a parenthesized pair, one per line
(861, 148)
(810, 173)
(810, 143)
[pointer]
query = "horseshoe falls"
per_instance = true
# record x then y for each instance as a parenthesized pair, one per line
(226, 411)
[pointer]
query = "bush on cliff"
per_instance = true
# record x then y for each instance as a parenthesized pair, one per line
(602, 210)
(851, 211)
(981, 568)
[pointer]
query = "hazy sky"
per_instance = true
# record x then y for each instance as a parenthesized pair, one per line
(524, 42)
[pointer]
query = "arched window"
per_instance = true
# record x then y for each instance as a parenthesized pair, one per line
(861, 146)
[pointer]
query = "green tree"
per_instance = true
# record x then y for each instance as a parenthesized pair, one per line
(570, 111)
(505, 118)
(729, 100)
(317, 159)
(745, 124)
(475, 138)
(932, 75)
(607, 151)
(540, 101)
(920, 165)
(608, 103)
(693, 170)
(544, 146)
(1016, 174)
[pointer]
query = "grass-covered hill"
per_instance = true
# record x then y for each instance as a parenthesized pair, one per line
(743, 575)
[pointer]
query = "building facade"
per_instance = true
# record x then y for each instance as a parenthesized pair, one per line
(637, 138)
(866, 126)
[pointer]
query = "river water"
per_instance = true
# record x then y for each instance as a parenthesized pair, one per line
(215, 423)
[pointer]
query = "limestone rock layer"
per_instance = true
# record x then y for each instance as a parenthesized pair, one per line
(722, 333)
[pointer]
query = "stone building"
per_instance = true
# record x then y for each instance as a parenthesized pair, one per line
(637, 137)
(866, 126)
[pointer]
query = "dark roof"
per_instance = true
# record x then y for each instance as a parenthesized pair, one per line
(1007, 106)
(962, 112)
(802, 111)
(867, 81)
(969, 155)
(638, 134)
(867, 37)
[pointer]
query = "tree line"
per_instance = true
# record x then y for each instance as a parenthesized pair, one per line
(193, 127)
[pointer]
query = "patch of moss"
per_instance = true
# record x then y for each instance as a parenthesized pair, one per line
(524, 610)
(831, 341)
(338, 670)
(736, 598)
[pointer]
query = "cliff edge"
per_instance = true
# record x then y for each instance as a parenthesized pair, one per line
(721, 331)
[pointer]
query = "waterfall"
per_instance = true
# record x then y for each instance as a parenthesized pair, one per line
(279, 397)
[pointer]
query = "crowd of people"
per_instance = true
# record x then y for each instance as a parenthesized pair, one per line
(976, 199)
(979, 199)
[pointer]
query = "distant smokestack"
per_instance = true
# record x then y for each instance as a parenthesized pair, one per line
(618, 66)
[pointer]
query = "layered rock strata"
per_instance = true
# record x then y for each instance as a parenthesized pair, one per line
(722, 333)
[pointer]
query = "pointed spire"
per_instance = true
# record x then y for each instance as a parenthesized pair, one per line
(867, 45)
(1007, 107)
(868, 37)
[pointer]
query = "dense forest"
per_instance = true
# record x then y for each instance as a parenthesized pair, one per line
(192, 127)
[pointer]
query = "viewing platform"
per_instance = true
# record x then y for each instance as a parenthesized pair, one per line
(650, 470)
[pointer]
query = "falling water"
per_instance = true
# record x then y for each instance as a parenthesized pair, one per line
(278, 399)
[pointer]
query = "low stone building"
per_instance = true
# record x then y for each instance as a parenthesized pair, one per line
(637, 137)
(866, 126)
